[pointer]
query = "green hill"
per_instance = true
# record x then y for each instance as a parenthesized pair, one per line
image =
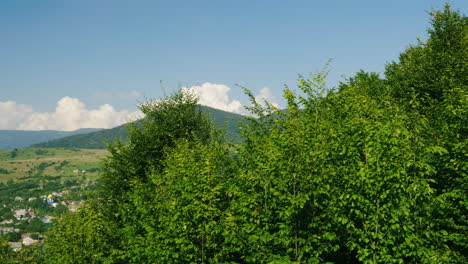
(223, 120)
(10, 139)
(93, 140)
(36, 163)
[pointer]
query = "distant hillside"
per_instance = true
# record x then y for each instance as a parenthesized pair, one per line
(36, 163)
(93, 140)
(97, 140)
(10, 139)
(226, 121)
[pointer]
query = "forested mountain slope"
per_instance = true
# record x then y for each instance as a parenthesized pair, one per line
(97, 140)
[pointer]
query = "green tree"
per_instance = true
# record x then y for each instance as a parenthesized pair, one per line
(14, 153)
(27, 255)
(13, 237)
(430, 80)
(166, 121)
(381, 186)
(278, 213)
(125, 227)
(430, 71)
(342, 176)
(369, 84)
(6, 253)
(35, 225)
(185, 217)
(87, 236)
(130, 173)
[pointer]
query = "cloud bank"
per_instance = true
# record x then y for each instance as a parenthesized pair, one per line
(217, 96)
(12, 114)
(70, 114)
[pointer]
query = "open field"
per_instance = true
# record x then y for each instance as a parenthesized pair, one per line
(26, 163)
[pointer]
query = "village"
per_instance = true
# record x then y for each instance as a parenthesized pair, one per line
(24, 218)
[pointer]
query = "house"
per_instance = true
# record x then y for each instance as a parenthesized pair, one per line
(6, 230)
(49, 198)
(47, 219)
(20, 213)
(15, 245)
(9, 221)
(27, 241)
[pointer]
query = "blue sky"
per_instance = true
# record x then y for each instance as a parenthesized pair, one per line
(119, 52)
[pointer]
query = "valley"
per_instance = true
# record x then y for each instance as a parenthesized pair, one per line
(39, 185)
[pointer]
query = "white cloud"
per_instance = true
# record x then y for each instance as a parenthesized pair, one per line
(266, 95)
(70, 114)
(216, 96)
(12, 114)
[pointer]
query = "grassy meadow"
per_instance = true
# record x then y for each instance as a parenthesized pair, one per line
(28, 163)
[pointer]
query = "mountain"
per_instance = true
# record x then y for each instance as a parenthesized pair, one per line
(223, 120)
(10, 139)
(93, 140)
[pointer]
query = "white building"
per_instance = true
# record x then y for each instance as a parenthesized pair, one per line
(20, 213)
(27, 241)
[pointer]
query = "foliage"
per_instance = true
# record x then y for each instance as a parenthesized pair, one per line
(431, 79)
(184, 217)
(13, 153)
(436, 69)
(84, 237)
(166, 122)
(27, 255)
